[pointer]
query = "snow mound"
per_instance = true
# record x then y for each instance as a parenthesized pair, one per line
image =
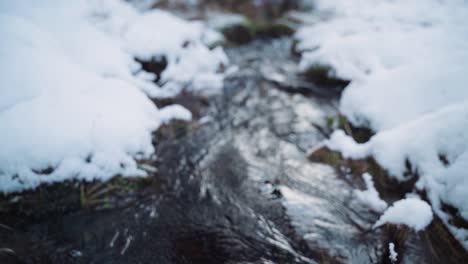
(370, 196)
(407, 61)
(156, 34)
(412, 212)
(72, 102)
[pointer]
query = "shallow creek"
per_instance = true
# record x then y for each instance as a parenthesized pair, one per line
(239, 189)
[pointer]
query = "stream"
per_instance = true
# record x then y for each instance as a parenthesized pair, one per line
(239, 189)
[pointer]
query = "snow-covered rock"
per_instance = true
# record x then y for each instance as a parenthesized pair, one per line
(412, 212)
(72, 105)
(407, 61)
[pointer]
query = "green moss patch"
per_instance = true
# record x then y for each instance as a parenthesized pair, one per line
(242, 33)
(323, 75)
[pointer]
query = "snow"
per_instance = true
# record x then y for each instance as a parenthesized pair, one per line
(370, 196)
(73, 99)
(347, 146)
(174, 111)
(412, 212)
(393, 255)
(223, 20)
(407, 61)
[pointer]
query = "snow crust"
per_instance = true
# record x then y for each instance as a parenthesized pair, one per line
(370, 196)
(74, 103)
(407, 60)
(412, 212)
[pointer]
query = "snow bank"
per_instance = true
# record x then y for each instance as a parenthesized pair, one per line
(71, 103)
(370, 196)
(407, 61)
(412, 212)
(157, 33)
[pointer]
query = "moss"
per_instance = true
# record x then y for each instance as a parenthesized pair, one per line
(176, 129)
(323, 75)
(330, 122)
(327, 156)
(359, 134)
(242, 33)
(238, 34)
(319, 73)
(274, 30)
(388, 187)
(343, 123)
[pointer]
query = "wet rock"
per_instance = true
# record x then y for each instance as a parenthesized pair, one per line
(294, 48)
(359, 134)
(8, 255)
(40, 203)
(323, 75)
(274, 30)
(441, 245)
(238, 34)
(456, 219)
(175, 129)
(155, 65)
(243, 33)
(277, 194)
(196, 104)
(291, 83)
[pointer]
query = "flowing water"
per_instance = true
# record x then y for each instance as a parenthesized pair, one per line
(237, 190)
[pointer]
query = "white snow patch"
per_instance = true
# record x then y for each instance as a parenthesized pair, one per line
(412, 212)
(71, 103)
(407, 61)
(370, 196)
(171, 112)
(347, 146)
(393, 255)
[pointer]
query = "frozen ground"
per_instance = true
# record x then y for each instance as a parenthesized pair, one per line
(74, 102)
(407, 61)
